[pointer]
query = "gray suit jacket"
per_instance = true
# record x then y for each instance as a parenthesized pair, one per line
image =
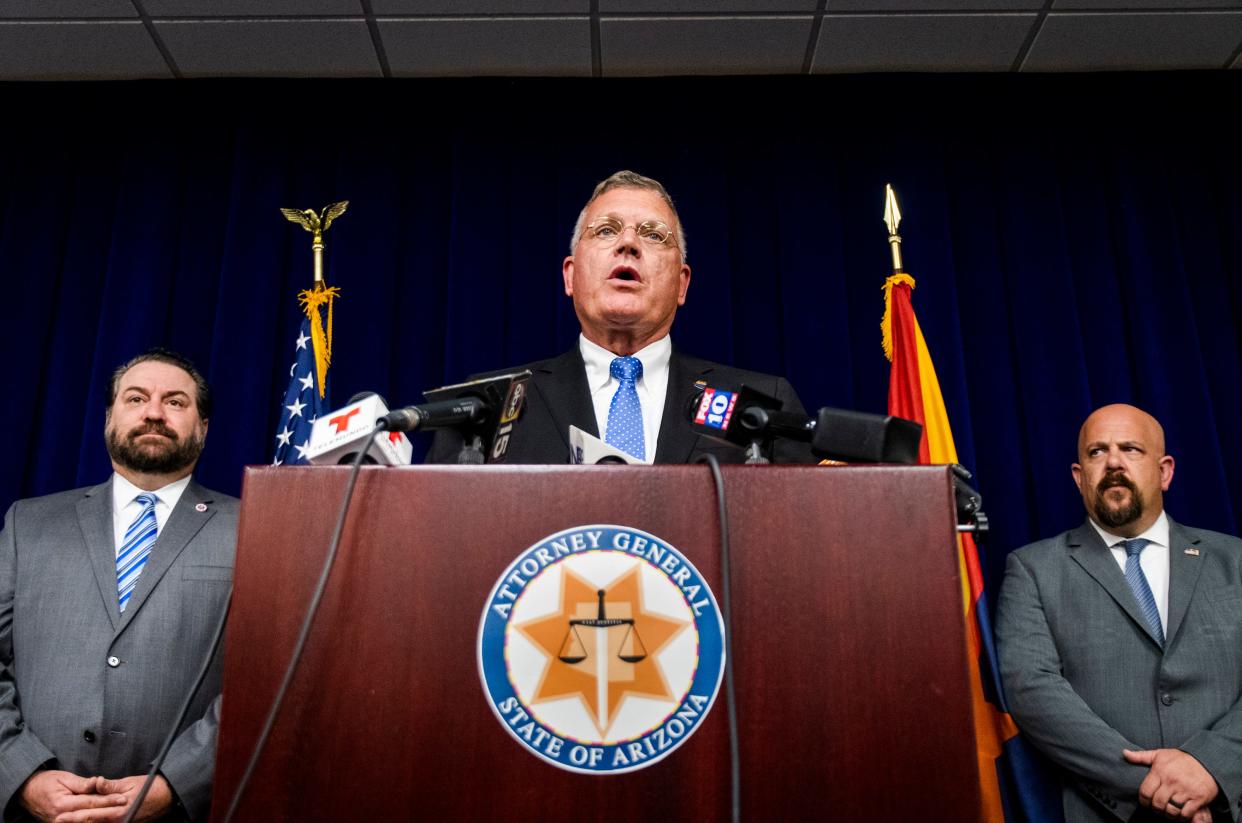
(87, 689)
(1085, 678)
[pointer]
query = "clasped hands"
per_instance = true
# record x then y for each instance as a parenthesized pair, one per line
(1176, 785)
(64, 797)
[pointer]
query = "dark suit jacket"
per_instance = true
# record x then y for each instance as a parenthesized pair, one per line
(1085, 678)
(558, 396)
(86, 688)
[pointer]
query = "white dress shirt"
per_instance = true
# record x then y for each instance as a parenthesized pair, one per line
(125, 508)
(1154, 561)
(652, 387)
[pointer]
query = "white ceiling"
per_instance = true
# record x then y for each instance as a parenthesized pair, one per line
(131, 39)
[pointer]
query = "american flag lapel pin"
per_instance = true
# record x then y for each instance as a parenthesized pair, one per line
(1192, 552)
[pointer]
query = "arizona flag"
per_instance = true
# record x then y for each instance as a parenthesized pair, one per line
(1011, 786)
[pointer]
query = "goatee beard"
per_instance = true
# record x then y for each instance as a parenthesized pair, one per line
(1116, 517)
(171, 457)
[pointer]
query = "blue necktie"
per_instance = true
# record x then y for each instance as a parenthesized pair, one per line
(135, 547)
(625, 413)
(1138, 584)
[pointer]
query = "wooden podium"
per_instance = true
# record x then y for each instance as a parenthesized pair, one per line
(849, 648)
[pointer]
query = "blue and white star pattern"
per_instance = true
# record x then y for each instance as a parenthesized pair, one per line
(302, 404)
(135, 548)
(625, 413)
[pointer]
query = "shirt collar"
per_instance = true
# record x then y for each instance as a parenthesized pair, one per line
(124, 492)
(598, 360)
(1157, 533)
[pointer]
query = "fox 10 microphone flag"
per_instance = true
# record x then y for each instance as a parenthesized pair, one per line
(307, 394)
(1013, 786)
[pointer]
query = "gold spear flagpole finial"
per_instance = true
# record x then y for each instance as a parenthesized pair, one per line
(319, 296)
(892, 218)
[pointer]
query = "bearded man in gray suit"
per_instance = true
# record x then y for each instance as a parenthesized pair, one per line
(1121, 641)
(109, 598)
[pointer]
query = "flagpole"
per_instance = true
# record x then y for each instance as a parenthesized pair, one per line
(306, 396)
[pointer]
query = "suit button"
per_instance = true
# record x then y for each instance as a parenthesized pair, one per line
(1166, 699)
(114, 661)
(88, 736)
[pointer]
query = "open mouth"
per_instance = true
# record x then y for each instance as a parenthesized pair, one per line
(625, 274)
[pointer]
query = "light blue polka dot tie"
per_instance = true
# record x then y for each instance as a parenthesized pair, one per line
(625, 413)
(1138, 584)
(135, 547)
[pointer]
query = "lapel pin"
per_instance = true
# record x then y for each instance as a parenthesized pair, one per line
(1192, 552)
(202, 507)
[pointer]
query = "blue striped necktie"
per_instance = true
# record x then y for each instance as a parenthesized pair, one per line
(136, 545)
(1138, 584)
(625, 412)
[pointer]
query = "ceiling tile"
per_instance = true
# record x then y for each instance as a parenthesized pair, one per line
(717, 7)
(1093, 42)
(253, 8)
(645, 46)
(546, 46)
(935, 5)
(1180, 5)
(452, 8)
(79, 9)
(271, 48)
(920, 42)
(78, 51)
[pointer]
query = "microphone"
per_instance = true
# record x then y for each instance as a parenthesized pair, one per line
(483, 411)
(748, 418)
(728, 414)
(439, 414)
(338, 436)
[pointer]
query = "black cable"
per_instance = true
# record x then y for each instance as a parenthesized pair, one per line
(185, 709)
(300, 646)
(726, 610)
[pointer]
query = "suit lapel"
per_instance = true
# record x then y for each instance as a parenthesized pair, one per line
(184, 522)
(1184, 572)
(99, 543)
(677, 440)
(562, 385)
(1089, 551)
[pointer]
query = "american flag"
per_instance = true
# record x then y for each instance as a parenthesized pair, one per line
(302, 403)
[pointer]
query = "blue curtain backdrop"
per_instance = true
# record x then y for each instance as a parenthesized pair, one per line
(1077, 240)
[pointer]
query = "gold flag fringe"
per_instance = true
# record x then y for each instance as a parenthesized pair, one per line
(886, 324)
(312, 300)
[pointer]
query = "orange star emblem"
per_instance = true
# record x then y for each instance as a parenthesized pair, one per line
(602, 646)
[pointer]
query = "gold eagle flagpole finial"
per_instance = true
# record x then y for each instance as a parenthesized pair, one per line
(316, 224)
(317, 300)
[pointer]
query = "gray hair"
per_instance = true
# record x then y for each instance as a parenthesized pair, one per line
(630, 180)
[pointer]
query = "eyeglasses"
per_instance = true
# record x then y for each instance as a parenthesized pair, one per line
(607, 230)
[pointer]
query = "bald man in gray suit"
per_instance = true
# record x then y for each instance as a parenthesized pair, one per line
(1121, 641)
(109, 598)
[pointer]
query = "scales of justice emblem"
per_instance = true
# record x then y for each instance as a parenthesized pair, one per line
(601, 649)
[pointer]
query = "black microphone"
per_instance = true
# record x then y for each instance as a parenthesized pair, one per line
(745, 417)
(438, 414)
(482, 411)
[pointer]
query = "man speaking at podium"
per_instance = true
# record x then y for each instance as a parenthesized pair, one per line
(624, 382)
(109, 599)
